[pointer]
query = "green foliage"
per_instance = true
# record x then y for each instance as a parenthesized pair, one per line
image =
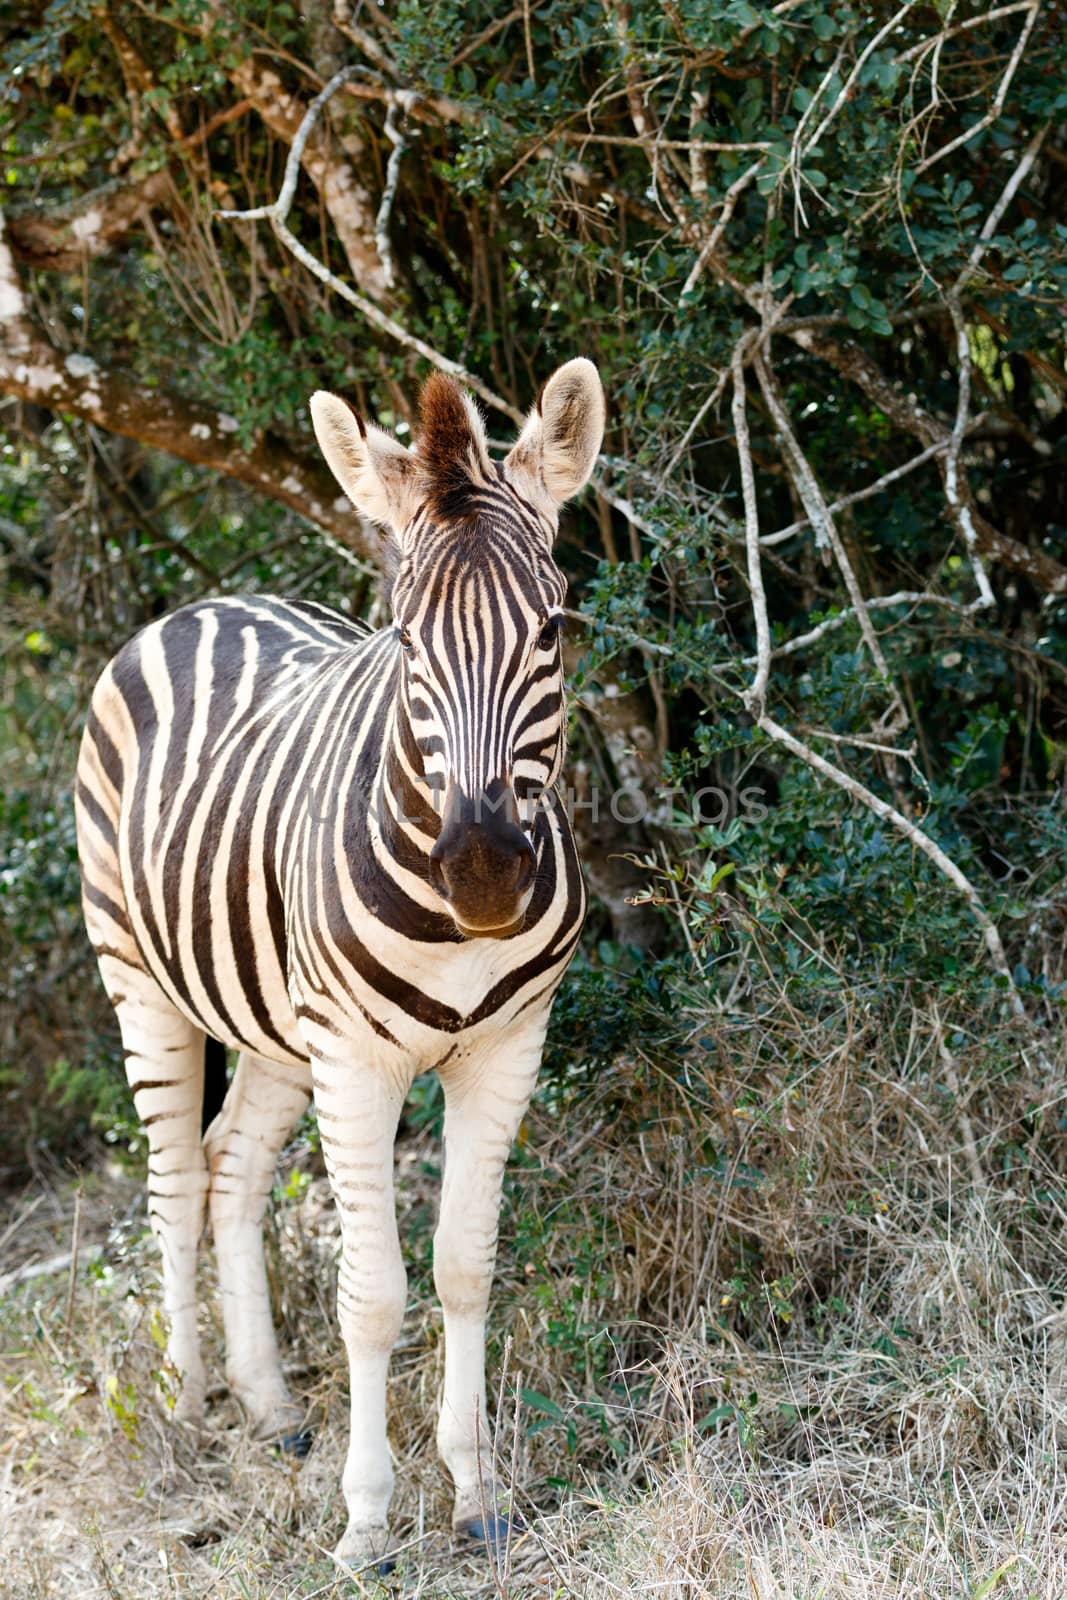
(537, 217)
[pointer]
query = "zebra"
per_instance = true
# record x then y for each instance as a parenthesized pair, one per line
(332, 851)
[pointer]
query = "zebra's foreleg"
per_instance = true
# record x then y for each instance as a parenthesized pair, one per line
(263, 1105)
(486, 1097)
(358, 1110)
(165, 1067)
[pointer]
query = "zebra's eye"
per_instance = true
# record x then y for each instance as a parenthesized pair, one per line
(549, 634)
(406, 641)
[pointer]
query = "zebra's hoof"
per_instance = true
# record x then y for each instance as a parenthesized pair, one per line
(365, 1552)
(297, 1443)
(491, 1532)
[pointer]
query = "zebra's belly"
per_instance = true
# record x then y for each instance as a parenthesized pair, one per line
(218, 963)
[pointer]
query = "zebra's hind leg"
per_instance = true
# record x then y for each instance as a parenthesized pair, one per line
(165, 1067)
(262, 1107)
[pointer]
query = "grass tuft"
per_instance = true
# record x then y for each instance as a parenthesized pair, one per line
(783, 1323)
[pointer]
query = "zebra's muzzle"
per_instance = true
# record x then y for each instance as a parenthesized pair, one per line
(483, 864)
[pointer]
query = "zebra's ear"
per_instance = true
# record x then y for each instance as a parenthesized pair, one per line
(375, 471)
(561, 440)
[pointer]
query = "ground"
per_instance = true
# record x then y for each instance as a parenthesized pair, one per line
(887, 1420)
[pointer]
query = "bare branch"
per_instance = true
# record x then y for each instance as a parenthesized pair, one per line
(303, 133)
(756, 694)
(855, 741)
(699, 100)
(332, 166)
(960, 509)
(849, 84)
(422, 107)
(904, 411)
(34, 369)
(782, 534)
(878, 602)
(714, 238)
(911, 831)
(362, 38)
(624, 506)
(60, 238)
(530, 67)
(797, 146)
(392, 178)
(866, 797)
(981, 20)
(998, 103)
(696, 147)
(713, 398)
(192, 262)
(1007, 195)
(818, 511)
(277, 212)
(648, 134)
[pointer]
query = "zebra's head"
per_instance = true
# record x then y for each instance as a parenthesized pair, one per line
(477, 610)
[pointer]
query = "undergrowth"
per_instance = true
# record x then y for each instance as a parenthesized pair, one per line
(778, 1315)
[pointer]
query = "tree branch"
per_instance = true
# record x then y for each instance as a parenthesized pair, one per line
(814, 503)
(878, 602)
(953, 475)
(60, 238)
(34, 369)
(998, 101)
(1004, 200)
(331, 166)
(392, 179)
(904, 411)
(641, 115)
(866, 493)
(911, 831)
(277, 212)
(714, 238)
(756, 694)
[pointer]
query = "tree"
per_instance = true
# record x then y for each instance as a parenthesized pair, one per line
(819, 255)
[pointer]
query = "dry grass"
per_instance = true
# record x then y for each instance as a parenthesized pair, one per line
(786, 1325)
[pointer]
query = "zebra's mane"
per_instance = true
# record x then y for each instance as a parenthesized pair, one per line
(452, 452)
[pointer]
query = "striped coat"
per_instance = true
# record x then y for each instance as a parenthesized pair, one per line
(334, 853)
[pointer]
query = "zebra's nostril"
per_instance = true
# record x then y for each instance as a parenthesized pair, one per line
(438, 881)
(525, 865)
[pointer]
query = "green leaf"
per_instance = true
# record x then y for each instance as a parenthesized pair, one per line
(540, 1402)
(987, 1586)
